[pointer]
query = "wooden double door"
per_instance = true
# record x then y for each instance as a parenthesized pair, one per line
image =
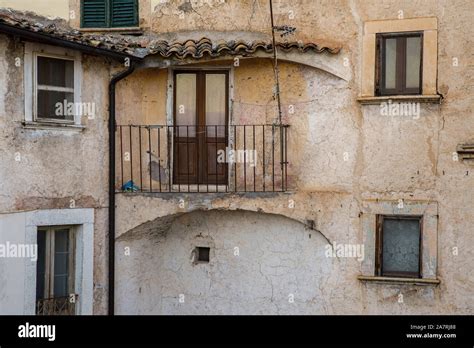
(200, 134)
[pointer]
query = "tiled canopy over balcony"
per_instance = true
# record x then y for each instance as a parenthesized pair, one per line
(153, 44)
(227, 156)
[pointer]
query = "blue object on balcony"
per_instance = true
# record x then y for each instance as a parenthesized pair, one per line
(130, 187)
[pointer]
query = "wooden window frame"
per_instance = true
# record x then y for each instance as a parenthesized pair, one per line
(30, 67)
(379, 272)
(37, 87)
(401, 63)
(49, 259)
(109, 19)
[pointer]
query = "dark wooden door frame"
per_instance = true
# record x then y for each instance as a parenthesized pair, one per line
(202, 141)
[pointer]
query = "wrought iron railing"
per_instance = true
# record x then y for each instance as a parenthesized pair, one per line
(56, 306)
(184, 158)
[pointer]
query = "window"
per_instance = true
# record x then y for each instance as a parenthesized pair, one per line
(398, 246)
(401, 241)
(109, 13)
(55, 271)
(399, 70)
(202, 254)
(54, 88)
(53, 83)
(411, 31)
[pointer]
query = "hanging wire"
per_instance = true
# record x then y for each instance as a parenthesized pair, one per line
(275, 63)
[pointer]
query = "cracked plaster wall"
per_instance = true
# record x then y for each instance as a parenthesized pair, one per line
(56, 166)
(274, 262)
(388, 158)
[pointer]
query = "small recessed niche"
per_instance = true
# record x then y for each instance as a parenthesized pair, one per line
(201, 254)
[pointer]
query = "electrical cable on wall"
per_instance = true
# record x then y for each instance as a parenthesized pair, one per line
(275, 63)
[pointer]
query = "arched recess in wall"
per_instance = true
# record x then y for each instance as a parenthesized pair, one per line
(162, 224)
(258, 264)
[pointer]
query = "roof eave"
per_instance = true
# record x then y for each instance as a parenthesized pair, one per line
(51, 40)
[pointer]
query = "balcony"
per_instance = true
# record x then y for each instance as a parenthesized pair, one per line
(56, 306)
(201, 159)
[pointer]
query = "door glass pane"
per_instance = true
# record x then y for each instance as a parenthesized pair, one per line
(390, 63)
(61, 263)
(40, 264)
(186, 104)
(401, 245)
(215, 104)
(413, 62)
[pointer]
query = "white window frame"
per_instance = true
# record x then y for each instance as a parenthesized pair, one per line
(83, 222)
(37, 87)
(32, 52)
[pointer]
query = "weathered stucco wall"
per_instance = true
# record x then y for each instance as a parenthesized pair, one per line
(55, 168)
(344, 157)
(279, 269)
(50, 8)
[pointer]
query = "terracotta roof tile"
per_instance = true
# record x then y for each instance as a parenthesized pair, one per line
(200, 48)
(150, 44)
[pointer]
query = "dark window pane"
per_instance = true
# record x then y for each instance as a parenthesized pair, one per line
(413, 62)
(40, 264)
(401, 245)
(61, 242)
(61, 262)
(55, 72)
(203, 254)
(390, 63)
(51, 105)
(61, 286)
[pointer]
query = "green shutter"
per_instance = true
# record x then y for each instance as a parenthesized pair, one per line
(95, 13)
(123, 13)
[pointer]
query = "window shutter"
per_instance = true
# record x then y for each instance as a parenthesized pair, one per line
(94, 13)
(124, 13)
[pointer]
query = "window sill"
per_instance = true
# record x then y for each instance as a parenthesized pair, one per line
(54, 126)
(119, 30)
(431, 98)
(386, 280)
